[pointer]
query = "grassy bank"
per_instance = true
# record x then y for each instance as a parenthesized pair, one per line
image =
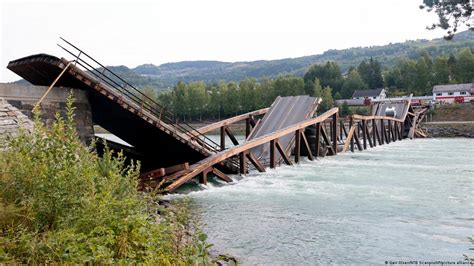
(62, 203)
(452, 112)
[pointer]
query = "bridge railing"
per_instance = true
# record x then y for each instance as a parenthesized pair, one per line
(113, 81)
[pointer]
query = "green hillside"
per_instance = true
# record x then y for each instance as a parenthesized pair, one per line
(167, 75)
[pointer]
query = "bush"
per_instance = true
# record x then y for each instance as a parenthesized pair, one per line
(62, 203)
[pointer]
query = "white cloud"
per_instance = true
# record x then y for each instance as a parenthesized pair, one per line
(137, 32)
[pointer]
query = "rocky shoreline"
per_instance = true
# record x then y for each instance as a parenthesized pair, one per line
(449, 130)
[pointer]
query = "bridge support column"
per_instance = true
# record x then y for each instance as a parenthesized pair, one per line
(401, 130)
(389, 139)
(243, 162)
(272, 153)
(203, 177)
(351, 124)
(318, 139)
(334, 132)
(364, 134)
(374, 132)
(247, 127)
(382, 132)
(222, 138)
(297, 145)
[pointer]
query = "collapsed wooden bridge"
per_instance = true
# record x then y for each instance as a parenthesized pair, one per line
(174, 153)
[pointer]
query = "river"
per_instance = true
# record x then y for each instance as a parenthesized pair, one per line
(408, 200)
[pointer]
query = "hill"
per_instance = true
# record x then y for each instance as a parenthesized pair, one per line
(167, 75)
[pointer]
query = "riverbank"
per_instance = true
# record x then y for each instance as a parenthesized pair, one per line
(449, 129)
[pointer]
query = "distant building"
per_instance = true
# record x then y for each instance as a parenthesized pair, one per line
(454, 92)
(376, 94)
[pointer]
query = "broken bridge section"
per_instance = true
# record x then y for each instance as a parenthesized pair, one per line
(284, 112)
(121, 109)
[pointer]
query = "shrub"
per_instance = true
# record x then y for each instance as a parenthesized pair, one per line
(62, 203)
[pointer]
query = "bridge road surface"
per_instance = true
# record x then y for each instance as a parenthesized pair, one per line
(284, 112)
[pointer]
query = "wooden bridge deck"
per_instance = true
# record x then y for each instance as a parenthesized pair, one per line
(174, 153)
(122, 110)
(363, 131)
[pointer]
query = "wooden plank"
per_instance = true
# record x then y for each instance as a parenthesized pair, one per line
(378, 134)
(351, 125)
(228, 122)
(318, 139)
(221, 175)
(335, 117)
(231, 136)
(308, 149)
(357, 140)
(374, 132)
(252, 121)
(364, 133)
(160, 172)
(272, 153)
(382, 131)
(348, 139)
(297, 145)
(283, 153)
(248, 127)
(214, 159)
(176, 175)
(243, 162)
(176, 168)
(326, 141)
(402, 130)
(367, 133)
(362, 117)
(203, 177)
(389, 129)
(222, 133)
(255, 162)
(394, 131)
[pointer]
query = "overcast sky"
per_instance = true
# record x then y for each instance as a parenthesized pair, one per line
(136, 32)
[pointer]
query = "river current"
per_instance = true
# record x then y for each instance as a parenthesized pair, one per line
(411, 200)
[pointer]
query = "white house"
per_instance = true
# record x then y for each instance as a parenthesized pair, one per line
(375, 94)
(454, 92)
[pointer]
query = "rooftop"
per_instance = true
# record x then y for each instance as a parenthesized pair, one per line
(453, 87)
(367, 93)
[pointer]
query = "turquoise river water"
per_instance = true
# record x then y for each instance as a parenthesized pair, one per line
(409, 200)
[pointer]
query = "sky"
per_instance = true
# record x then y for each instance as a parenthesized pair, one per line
(131, 33)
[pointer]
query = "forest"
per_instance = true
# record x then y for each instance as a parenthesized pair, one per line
(200, 101)
(166, 76)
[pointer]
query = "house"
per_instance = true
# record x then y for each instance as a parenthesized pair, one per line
(454, 92)
(375, 94)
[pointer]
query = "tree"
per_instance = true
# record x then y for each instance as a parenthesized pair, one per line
(247, 89)
(345, 109)
(215, 102)
(180, 96)
(452, 66)
(197, 99)
(325, 95)
(371, 73)
(317, 89)
(408, 75)
(231, 101)
(451, 14)
(421, 83)
(329, 74)
(353, 82)
(289, 86)
(465, 66)
(440, 70)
